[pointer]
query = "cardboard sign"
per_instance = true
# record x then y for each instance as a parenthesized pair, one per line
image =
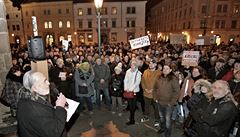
(139, 42)
(177, 39)
(65, 45)
(190, 58)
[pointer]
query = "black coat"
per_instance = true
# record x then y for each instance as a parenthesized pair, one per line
(116, 85)
(40, 119)
(217, 119)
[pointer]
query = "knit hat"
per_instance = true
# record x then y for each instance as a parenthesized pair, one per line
(84, 67)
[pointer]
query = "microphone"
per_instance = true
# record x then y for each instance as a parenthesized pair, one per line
(56, 91)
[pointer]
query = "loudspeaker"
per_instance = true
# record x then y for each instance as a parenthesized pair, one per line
(36, 48)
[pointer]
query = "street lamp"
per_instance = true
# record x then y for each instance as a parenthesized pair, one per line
(98, 5)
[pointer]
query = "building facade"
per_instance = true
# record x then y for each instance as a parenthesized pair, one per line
(14, 21)
(121, 20)
(54, 20)
(194, 18)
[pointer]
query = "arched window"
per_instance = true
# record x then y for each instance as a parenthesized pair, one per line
(45, 25)
(49, 24)
(60, 24)
(68, 24)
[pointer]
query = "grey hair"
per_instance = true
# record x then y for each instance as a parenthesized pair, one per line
(26, 82)
(224, 85)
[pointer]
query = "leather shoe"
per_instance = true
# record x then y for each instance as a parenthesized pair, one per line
(130, 123)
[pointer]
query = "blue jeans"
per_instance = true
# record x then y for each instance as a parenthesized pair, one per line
(82, 100)
(106, 96)
(165, 113)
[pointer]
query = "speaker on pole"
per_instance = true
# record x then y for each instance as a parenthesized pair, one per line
(36, 48)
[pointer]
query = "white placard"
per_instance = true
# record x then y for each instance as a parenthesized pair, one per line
(139, 42)
(34, 24)
(62, 74)
(65, 45)
(199, 41)
(72, 106)
(190, 58)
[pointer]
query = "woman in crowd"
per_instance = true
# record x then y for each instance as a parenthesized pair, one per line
(84, 86)
(166, 92)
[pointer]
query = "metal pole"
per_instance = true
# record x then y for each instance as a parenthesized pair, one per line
(99, 33)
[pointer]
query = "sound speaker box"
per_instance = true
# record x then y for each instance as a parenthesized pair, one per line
(36, 48)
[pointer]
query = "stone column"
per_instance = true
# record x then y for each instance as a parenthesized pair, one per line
(5, 52)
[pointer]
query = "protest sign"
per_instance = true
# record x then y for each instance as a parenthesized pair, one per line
(65, 45)
(177, 39)
(190, 58)
(139, 42)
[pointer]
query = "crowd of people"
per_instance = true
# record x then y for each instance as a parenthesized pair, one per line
(203, 98)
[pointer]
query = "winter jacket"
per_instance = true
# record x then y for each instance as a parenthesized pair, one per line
(116, 85)
(101, 71)
(166, 91)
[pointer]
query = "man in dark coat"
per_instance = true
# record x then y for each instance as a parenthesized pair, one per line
(36, 117)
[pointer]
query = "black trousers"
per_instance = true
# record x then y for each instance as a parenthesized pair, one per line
(132, 108)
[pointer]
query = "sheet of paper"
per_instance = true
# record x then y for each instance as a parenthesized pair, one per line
(72, 106)
(62, 74)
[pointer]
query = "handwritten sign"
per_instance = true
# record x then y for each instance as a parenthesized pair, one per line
(190, 58)
(139, 42)
(177, 39)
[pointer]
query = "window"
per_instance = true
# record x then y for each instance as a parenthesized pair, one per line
(190, 11)
(131, 10)
(225, 8)
(18, 27)
(26, 13)
(82, 38)
(131, 23)
(16, 16)
(219, 8)
(217, 24)
(184, 25)
(60, 24)
(80, 12)
(14, 27)
(104, 11)
(46, 25)
(45, 12)
(89, 24)
(114, 11)
(80, 24)
(67, 11)
(204, 9)
(203, 24)
(49, 24)
(234, 24)
(89, 11)
(90, 37)
(220, 24)
(223, 24)
(189, 25)
(69, 37)
(59, 11)
(68, 24)
(33, 13)
(114, 36)
(104, 23)
(236, 9)
(49, 12)
(114, 24)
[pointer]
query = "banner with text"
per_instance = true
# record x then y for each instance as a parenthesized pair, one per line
(139, 42)
(190, 58)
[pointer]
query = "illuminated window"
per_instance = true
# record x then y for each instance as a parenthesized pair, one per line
(80, 12)
(114, 36)
(68, 24)
(69, 37)
(114, 11)
(236, 9)
(90, 37)
(60, 24)
(50, 24)
(81, 38)
(45, 25)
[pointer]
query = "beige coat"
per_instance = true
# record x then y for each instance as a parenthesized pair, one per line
(148, 80)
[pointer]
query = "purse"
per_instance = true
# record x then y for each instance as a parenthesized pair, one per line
(83, 89)
(128, 95)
